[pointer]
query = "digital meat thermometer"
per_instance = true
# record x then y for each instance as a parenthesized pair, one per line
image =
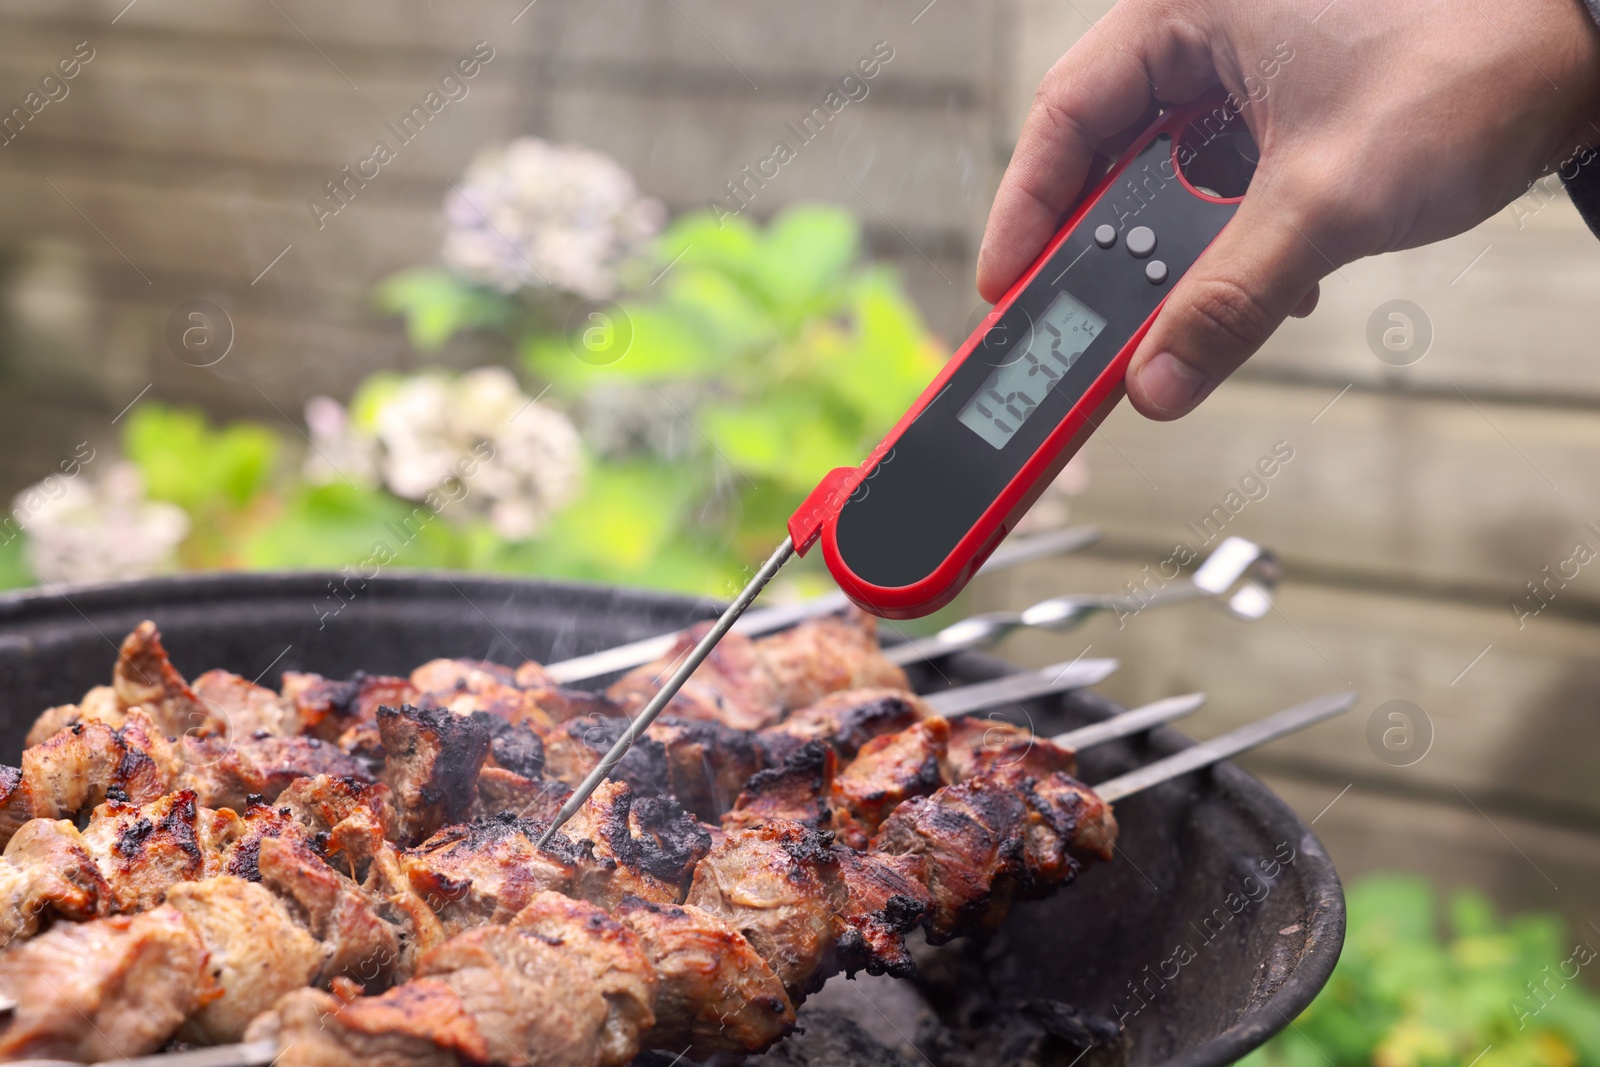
(904, 532)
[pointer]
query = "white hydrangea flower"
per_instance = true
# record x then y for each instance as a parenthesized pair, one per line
(99, 530)
(537, 215)
(525, 457)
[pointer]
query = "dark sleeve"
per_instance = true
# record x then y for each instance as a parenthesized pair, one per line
(1583, 181)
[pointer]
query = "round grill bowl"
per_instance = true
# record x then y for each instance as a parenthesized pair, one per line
(1219, 920)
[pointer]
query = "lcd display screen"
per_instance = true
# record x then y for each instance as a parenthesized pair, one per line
(1014, 391)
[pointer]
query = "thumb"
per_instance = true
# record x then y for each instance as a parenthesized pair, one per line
(1258, 271)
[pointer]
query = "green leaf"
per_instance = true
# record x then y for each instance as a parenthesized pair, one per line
(437, 305)
(338, 525)
(652, 343)
(807, 251)
(186, 462)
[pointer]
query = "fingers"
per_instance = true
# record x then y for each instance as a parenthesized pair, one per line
(1260, 270)
(1094, 91)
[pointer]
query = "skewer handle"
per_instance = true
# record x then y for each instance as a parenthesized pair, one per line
(1229, 744)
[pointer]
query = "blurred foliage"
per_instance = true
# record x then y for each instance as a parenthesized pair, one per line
(221, 477)
(1409, 991)
(777, 353)
(746, 361)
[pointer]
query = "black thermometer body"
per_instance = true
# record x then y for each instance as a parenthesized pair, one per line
(904, 532)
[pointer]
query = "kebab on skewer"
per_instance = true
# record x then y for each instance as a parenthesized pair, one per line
(183, 803)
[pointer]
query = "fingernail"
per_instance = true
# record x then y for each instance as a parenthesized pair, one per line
(1170, 383)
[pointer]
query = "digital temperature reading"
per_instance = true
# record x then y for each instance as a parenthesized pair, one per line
(1014, 391)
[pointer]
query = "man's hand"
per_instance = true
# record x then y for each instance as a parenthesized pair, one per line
(1395, 123)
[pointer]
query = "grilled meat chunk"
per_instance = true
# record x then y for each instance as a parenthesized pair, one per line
(708, 763)
(887, 771)
(981, 745)
(245, 708)
(646, 846)
(844, 721)
(326, 708)
(618, 969)
(537, 798)
(826, 655)
(487, 870)
(144, 849)
(575, 747)
(529, 996)
(733, 686)
(422, 1023)
(144, 677)
(884, 898)
(716, 994)
(232, 772)
(465, 686)
(47, 870)
(83, 764)
(16, 802)
(99, 704)
(515, 747)
(359, 941)
(433, 758)
(777, 885)
(797, 791)
(560, 702)
(149, 973)
(257, 952)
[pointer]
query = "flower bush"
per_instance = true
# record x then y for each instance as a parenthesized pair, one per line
(681, 389)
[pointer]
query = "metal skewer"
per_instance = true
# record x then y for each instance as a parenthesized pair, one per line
(1009, 688)
(1229, 744)
(770, 620)
(1131, 722)
(1235, 559)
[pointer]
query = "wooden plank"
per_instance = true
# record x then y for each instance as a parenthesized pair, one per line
(1440, 491)
(1511, 710)
(1521, 865)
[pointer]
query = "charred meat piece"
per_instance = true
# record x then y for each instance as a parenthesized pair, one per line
(83, 764)
(16, 802)
(47, 871)
(433, 758)
(515, 747)
(844, 721)
(646, 846)
(257, 951)
(1071, 819)
(321, 802)
(143, 850)
(777, 885)
(327, 708)
(575, 747)
(245, 708)
(981, 745)
(359, 941)
(144, 677)
(716, 994)
(149, 973)
(708, 763)
(969, 836)
(733, 686)
(487, 870)
(886, 772)
(422, 1023)
(885, 898)
(826, 655)
(797, 791)
(230, 772)
(616, 965)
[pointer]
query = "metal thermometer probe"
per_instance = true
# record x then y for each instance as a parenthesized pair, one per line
(903, 533)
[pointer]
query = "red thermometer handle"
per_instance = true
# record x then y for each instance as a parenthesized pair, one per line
(903, 533)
